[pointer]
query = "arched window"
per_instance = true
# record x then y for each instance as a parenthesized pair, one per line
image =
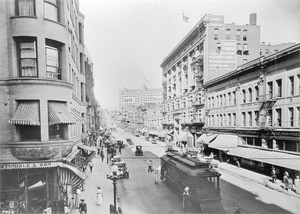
(216, 33)
(250, 95)
(244, 35)
(244, 95)
(256, 93)
(227, 33)
(238, 34)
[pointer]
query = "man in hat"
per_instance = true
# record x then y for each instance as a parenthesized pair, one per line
(82, 207)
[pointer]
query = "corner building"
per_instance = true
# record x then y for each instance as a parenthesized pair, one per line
(43, 103)
(212, 48)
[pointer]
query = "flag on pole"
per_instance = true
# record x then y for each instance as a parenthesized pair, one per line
(184, 17)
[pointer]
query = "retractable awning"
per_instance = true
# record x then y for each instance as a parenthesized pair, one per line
(70, 175)
(27, 113)
(77, 116)
(59, 114)
(226, 142)
(206, 138)
(276, 158)
(93, 149)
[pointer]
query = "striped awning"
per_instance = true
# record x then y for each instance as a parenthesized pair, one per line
(77, 116)
(70, 175)
(59, 114)
(27, 113)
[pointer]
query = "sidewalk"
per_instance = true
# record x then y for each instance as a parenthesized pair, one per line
(256, 177)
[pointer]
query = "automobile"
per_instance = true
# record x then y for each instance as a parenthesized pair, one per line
(129, 141)
(115, 159)
(153, 141)
(123, 171)
(138, 151)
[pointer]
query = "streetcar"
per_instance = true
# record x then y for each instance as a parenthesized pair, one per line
(203, 181)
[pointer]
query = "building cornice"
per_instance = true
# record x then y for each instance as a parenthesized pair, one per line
(39, 81)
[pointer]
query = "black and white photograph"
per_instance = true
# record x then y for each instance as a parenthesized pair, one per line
(149, 106)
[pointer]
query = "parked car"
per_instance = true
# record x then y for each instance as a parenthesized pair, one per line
(123, 171)
(115, 159)
(138, 151)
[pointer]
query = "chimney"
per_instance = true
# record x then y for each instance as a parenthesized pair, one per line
(253, 18)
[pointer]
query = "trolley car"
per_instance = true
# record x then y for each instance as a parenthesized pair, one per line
(202, 180)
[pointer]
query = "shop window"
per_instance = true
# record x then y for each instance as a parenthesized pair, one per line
(291, 85)
(51, 9)
(27, 56)
(25, 7)
(53, 61)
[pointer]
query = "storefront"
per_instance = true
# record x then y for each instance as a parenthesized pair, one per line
(33, 187)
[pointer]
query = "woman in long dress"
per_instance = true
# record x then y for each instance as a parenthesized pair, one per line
(99, 196)
(77, 198)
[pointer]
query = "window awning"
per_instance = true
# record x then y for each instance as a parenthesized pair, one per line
(206, 138)
(77, 117)
(276, 158)
(90, 148)
(70, 175)
(226, 142)
(27, 113)
(59, 114)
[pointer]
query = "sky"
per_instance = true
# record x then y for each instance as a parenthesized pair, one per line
(128, 39)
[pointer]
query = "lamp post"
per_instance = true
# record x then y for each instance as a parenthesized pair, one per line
(114, 176)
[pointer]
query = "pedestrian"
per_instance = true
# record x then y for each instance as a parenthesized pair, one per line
(77, 198)
(150, 165)
(99, 195)
(185, 198)
(297, 184)
(102, 156)
(156, 176)
(286, 180)
(91, 165)
(273, 174)
(82, 207)
(120, 148)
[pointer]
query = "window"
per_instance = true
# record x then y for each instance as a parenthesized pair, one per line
(270, 89)
(218, 48)
(221, 100)
(291, 116)
(250, 95)
(298, 76)
(256, 113)
(278, 117)
(25, 8)
(53, 60)
(234, 119)
(239, 48)
(279, 88)
(234, 98)
(244, 118)
(51, 9)
(256, 93)
(244, 95)
(298, 113)
(27, 56)
(229, 98)
(250, 118)
(245, 60)
(291, 85)
(238, 34)
(227, 33)
(229, 119)
(246, 50)
(216, 32)
(245, 35)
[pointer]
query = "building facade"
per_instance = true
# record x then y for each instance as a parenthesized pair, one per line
(137, 97)
(150, 116)
(260, 102)
(212, 48)
(43, 93)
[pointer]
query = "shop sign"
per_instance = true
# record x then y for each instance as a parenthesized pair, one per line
(28, 165)
(287, 134)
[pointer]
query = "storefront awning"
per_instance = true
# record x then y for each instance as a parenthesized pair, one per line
(70, 175)
(226, 142)
(77, 117)
(183, 136)
(27, 113)
(276, 158)
(59, 114)
(90, 148)
(206, 138)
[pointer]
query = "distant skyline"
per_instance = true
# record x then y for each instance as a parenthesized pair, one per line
(128, 39)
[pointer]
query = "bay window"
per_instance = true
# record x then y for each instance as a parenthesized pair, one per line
(51, 8)
(25, 8)
(27, 56)
(53, 50)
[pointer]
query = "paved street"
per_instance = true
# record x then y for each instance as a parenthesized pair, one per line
(139, 194)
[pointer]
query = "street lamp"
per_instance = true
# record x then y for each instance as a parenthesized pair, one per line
(114, 176)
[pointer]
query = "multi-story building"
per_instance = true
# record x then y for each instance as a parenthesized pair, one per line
(43, 99)
(137, 97)
(268, 49)
(259, 102)
(150, 116)
(211, 49)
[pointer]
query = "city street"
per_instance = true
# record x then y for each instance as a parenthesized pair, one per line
(140, 195)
